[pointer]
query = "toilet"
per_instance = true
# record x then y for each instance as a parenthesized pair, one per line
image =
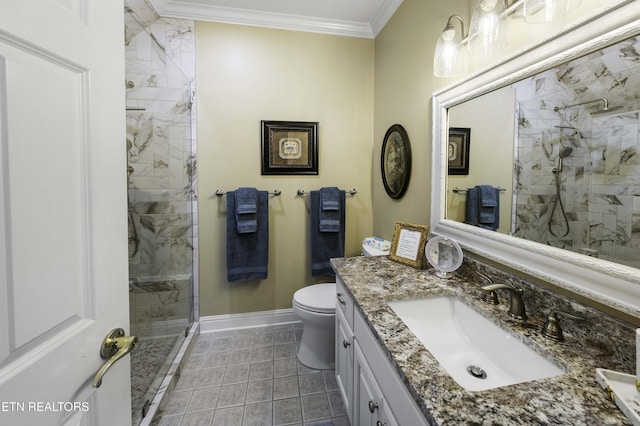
(315, 305)
(374, 246)
(372, 251)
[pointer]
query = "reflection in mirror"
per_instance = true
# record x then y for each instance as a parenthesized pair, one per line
(565, 144)
(444, 254)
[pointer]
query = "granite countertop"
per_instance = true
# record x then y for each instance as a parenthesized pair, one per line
(573, 398)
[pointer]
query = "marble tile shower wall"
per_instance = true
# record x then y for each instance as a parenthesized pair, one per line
(541, 134)
(160, 307)
(160, 70)
(601, 177)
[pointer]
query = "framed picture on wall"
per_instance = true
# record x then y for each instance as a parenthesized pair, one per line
(458, 150)
(289, 148)
(395, 161)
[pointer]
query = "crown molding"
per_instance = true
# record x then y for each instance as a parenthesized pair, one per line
(198, 11)
(383, 16)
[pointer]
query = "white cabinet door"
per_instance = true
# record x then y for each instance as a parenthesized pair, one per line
(367, 396)
(386, 416)
(63, 226)
(344, 362)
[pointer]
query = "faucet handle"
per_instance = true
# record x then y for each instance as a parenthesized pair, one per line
(490, 297)
(551, 329)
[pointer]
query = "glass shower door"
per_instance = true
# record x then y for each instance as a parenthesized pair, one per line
(160, 193)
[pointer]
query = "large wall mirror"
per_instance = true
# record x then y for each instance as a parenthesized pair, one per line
(556, 132)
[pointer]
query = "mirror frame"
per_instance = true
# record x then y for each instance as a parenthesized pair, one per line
(610, 284)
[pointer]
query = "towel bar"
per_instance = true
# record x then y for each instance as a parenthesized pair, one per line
(351, 191)
(457, 190)
(275, 192)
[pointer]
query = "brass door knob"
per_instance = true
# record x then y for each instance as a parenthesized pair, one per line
(114, 347)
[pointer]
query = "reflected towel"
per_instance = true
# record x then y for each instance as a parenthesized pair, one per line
(488, 203)
(325, 245)
(472, 211)
(330, 211)
(248, 253)
(482, 207)
(489, 206)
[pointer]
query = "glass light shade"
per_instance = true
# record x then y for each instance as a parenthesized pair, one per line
(540, 11)
(446, 60)
(487, 32)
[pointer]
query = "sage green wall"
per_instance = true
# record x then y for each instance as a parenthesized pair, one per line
(404, 85)
(247, 74)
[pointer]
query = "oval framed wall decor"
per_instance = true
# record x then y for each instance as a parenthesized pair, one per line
(395, 161)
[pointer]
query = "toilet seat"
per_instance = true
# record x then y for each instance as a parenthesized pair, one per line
(319, 298)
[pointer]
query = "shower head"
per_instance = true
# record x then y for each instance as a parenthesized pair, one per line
(605, 106)
(565, 152)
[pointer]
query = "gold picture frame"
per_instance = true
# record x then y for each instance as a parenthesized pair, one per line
(408, 244)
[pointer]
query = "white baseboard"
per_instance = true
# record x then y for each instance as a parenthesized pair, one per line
(247, 320)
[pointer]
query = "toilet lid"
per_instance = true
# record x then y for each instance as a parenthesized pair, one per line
(372, 251)
(317, 298)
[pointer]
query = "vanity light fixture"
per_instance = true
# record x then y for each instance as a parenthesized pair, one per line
(445, 60)
(540, 11)
(487, 31)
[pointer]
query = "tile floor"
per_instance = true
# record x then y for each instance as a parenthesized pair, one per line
(252, 377)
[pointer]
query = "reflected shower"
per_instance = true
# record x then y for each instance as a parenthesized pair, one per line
(605, 106)
(564, 153)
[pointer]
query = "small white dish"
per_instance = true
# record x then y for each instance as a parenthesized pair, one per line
(622, 390)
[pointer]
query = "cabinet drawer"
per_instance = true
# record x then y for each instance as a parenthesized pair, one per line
(344, 302)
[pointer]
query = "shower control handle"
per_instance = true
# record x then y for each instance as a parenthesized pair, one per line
(114, 347)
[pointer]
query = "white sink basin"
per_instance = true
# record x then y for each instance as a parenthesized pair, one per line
(461, 339)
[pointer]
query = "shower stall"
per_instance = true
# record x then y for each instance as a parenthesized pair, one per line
(575, 161)
(161, 197)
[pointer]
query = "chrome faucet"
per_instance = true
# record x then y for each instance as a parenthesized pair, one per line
(517, 309)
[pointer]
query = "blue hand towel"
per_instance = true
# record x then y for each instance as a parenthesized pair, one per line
(325, 245)
(248, 253)
(330, 212)
(472, 212)
(489, 196)
(482, 207)
(246, 210)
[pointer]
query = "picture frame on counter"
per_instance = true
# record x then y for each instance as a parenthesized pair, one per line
(407, 246)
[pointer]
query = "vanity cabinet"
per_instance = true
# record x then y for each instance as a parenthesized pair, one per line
(344, 347)
(372, 391)
(370, 407)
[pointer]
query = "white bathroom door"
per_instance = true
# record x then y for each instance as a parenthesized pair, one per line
(63, 229)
